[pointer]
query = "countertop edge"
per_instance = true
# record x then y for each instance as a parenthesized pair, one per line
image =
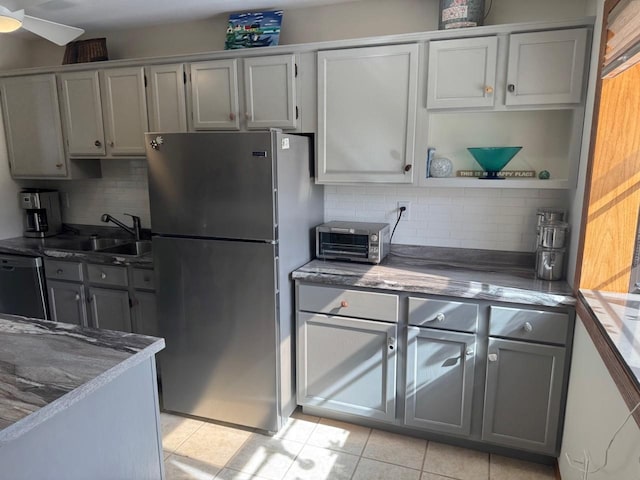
(475, 290)
(34, 419)
(622, 375)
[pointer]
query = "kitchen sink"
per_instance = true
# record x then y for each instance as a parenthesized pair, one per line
(134, 248)
(83, 244)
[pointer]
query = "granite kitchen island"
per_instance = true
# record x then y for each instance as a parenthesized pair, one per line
(77, 403)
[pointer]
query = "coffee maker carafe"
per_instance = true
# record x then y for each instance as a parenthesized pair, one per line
(41, 212)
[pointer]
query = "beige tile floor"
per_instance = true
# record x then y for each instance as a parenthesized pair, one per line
(312, 448)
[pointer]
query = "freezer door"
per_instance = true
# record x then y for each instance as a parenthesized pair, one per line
(212, 184)
(217, 312)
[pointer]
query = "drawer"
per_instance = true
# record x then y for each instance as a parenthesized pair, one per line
(71, 271)
(348, 303)
(143, 279)
(106, 275)
(443, 314)
(533, 325)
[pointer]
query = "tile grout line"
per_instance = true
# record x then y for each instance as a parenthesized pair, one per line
(360, 456)
(424, 458)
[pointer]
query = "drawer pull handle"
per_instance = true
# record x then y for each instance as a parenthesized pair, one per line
(440, 317)
(103, 275)
(77, 297)
(527, 327)
(344, 304)
(493, 357)
(147, 278)
(59, 271)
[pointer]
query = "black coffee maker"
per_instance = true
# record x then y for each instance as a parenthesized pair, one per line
(42, 216)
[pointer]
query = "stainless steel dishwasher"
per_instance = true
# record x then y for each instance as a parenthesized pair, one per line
(22, 287)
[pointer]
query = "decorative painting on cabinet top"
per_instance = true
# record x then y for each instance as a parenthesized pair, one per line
(253, 29)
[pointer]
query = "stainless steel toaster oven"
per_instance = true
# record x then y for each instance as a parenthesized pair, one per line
(353, 241)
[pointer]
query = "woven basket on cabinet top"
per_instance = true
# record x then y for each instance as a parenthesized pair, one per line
(82, 51)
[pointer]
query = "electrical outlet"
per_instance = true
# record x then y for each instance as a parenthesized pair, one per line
(406, 215)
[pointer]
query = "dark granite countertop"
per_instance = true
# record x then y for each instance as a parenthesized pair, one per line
(51, 247)
(45, 367)
(619, 315)
(477, 274)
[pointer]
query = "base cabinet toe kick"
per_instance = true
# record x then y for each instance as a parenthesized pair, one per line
(476, 373)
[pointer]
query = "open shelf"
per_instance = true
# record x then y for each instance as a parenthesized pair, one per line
(477, 183)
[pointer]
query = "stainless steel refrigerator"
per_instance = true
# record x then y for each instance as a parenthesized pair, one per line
(232, 215)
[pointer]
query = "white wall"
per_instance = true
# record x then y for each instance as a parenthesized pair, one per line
(14, 53)
(471, 218)
(364, 18)
(595, 410)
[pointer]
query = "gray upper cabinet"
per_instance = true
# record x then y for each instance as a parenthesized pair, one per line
(523, 395)
(110, 309)
(440, 376)
(167, 98)
(462, 73)
(125, 110)
(367, 100)
(347, 365)
(270, 92)
(67, 302)
(546, 67)
(214, 95)
(33, 127)
(82, 113)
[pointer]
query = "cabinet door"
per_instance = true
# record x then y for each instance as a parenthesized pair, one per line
(110, 309)
(367, 114)
(67, 302)
(214, 95)
(82, 113)
(462, 73)
(440, 372)
(167, 101)
(33, 127)
(347, 365)
(125, 110)
(546, 67)
(145, 321)
(270, 92)
(523, 395)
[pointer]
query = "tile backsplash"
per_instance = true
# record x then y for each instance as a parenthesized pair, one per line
(486, 218)
(123, 188)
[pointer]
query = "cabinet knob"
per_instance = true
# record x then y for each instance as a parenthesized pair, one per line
(103, 275)
(511, 88)
(247, 116)
(77, 297)
(59, 271)
(146, 278)
(111, 143)
(59, 165)
(97, 143)
(232, 116)
(344, 304)
(488, 90)
(407, 168)
(492, 357)
(469, 351)
(440, 317)
(391, 343)
(527, 327)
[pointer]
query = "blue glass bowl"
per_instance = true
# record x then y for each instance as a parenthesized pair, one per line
(493, 159)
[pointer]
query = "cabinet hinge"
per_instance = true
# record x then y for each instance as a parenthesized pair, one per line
(184, 75)
(145, 81)
(130, 302)
(296, 69)
(297, 113)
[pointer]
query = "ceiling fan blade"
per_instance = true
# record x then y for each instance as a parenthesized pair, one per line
(55, 32)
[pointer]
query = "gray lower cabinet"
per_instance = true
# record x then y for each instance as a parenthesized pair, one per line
(66, 302)
(440, 377)
(110, 309)
(145, 313)
(523, 395)
(347, 365)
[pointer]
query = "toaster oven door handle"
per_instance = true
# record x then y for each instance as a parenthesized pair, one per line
(340, 230)
(342, 252)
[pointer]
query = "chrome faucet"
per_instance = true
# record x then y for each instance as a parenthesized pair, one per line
(135, 230)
